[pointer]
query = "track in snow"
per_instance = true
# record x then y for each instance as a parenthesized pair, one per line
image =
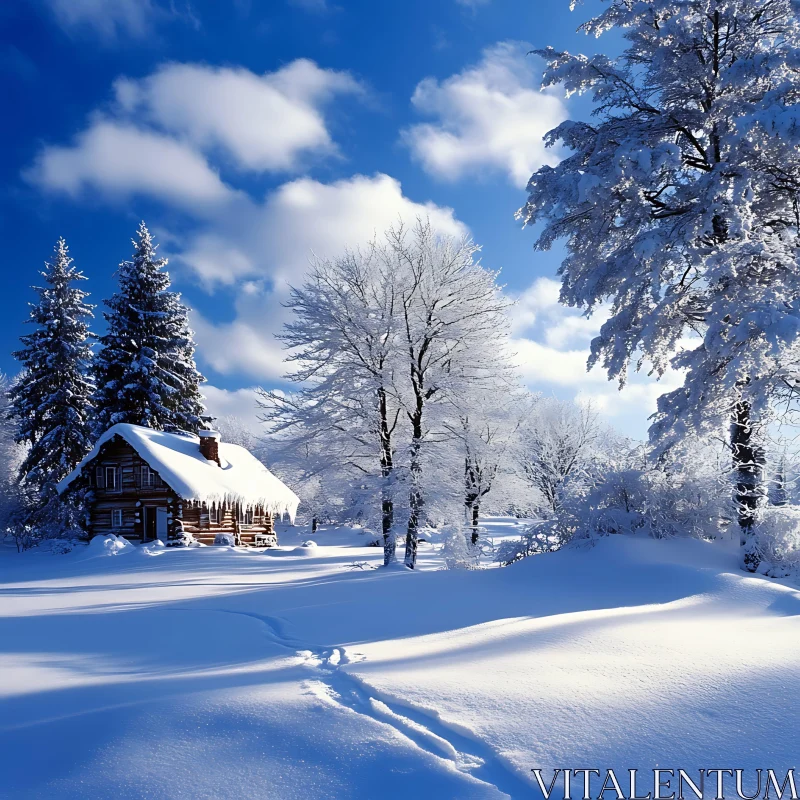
(424, 728)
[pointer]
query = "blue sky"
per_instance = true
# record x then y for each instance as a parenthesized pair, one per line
(249, 133)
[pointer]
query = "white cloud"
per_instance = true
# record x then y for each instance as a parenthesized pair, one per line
(256, 247)
(275, 239)
(158, 135)
(118, 160)
(240, 403)
(262, 249)
(490, 116)
(262, 122)
(551, 342)
(106, 18)
(247, 346)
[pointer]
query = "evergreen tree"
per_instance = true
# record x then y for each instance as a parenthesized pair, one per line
(146, 373)
(52, 398)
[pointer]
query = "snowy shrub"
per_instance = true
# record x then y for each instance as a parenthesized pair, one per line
(777, 537)
(457, 550)
(59, 546)
(181, 537)
(224, 539)
(110, 545)
(684, 498)
(541, 537)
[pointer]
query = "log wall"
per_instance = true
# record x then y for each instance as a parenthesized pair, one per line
(135, 493)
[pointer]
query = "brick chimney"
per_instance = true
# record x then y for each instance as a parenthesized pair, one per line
(209, 445)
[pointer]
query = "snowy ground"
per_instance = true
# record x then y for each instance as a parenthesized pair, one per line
(217, 673)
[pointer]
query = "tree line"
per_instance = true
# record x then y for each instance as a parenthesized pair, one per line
(67, 395)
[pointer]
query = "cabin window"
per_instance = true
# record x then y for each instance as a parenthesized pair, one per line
(116, 517)
(98, 478)
(112, 479)
(148, 478)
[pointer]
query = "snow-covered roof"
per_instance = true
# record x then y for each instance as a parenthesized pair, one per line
(239, 478)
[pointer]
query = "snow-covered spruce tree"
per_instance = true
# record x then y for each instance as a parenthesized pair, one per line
(51, 400)
(679, 206)
(341, 339)
(454, 333)
(12, 494)
(145, 372)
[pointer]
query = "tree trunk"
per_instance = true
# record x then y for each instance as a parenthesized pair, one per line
(387, 467)
(415, 499)
(476, 510)
(747, 475)
(314, 525)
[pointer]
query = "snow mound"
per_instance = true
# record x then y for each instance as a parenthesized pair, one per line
(154, 548)
(110, 545)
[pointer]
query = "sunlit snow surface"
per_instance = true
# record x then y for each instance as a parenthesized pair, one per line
(215, 672)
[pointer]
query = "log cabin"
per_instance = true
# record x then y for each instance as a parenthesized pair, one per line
(145, 484)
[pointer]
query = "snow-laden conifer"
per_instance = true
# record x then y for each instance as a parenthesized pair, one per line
(679, 207)
(51, 400)
(145, 372)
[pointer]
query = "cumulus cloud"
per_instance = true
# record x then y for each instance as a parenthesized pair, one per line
(488, 117)
(263, 248)
(276, 238)
(160, 132)
(118, 159)
(246, 346)
(262, 122)
(239, 403)
(551, 342)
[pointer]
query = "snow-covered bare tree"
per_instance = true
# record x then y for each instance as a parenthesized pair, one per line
(778, 490)
(330, 460)
(485, 425)
(145, 372)
(236, 430)
(51, 400)
(454, 334)
(679, 206)
(341, 339)
(555, 445)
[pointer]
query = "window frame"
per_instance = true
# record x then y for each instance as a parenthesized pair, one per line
(117, 473)
(117, 512)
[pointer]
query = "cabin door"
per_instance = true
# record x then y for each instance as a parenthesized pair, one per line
(161, 524)
(149, 523)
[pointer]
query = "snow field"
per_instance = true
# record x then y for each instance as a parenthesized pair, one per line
(219, 672)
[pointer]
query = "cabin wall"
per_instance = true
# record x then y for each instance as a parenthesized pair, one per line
(198, 521)
(132, 496)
